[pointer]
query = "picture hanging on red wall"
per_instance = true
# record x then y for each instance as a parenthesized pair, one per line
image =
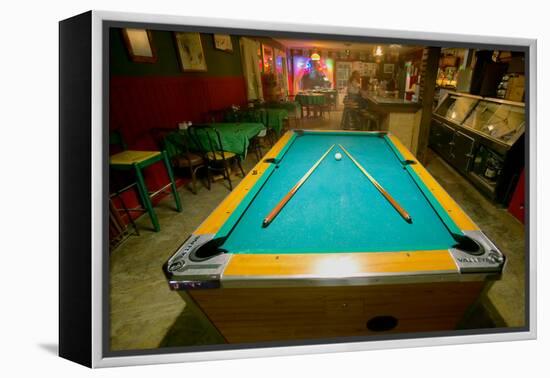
(223, 42)
(139, 43)
(190, 52)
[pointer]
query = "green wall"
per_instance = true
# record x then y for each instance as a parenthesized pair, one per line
(218, 63)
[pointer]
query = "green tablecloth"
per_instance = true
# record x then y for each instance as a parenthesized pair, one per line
(292, 107)
(330, 95)
(235, 137)
(310, 99)
(269, 117)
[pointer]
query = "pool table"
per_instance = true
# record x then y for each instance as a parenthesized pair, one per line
(338, 260)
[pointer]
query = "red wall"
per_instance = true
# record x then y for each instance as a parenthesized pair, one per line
(139, 104)
(517, 203)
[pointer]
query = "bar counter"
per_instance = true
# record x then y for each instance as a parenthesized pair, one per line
(382, 104)
(399, 116)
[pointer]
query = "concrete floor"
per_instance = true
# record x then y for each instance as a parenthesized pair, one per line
(146, 314)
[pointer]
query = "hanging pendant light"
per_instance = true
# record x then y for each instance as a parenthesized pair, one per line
(315, 56)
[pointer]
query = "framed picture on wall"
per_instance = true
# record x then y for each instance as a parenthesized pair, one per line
(190, 52)
(139, 44)
(223, 42)
(388, 68)
(369, 69)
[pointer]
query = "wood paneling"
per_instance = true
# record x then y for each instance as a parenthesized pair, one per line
(271, 314)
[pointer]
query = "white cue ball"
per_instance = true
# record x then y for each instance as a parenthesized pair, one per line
(338, 156)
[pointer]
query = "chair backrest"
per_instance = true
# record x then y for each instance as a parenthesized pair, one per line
(207, 139)
(176, 144)
(256, 115)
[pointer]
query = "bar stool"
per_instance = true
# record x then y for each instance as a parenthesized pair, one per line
(129, 160)
(350, 116)
(370, 119)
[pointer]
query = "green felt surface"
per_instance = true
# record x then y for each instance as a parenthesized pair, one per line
(337, 209)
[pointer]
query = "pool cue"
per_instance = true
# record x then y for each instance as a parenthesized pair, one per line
(390, 199)
(273, 213)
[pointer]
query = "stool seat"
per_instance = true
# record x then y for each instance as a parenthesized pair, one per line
(130, 157)
(138, 160)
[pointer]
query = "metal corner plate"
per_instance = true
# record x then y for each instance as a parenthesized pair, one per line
(491, 260)
(185, 273)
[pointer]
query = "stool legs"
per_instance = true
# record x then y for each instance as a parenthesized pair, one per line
(346, 119)
(144, 194)
(172, 181)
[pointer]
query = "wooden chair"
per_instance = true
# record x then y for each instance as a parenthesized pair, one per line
(326, 107)
(209, 141)
(176, 145)
(270, 133)
(256, 144)
(257, 114)
(371, 121)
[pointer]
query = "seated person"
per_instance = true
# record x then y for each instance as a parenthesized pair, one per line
(354, 85)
